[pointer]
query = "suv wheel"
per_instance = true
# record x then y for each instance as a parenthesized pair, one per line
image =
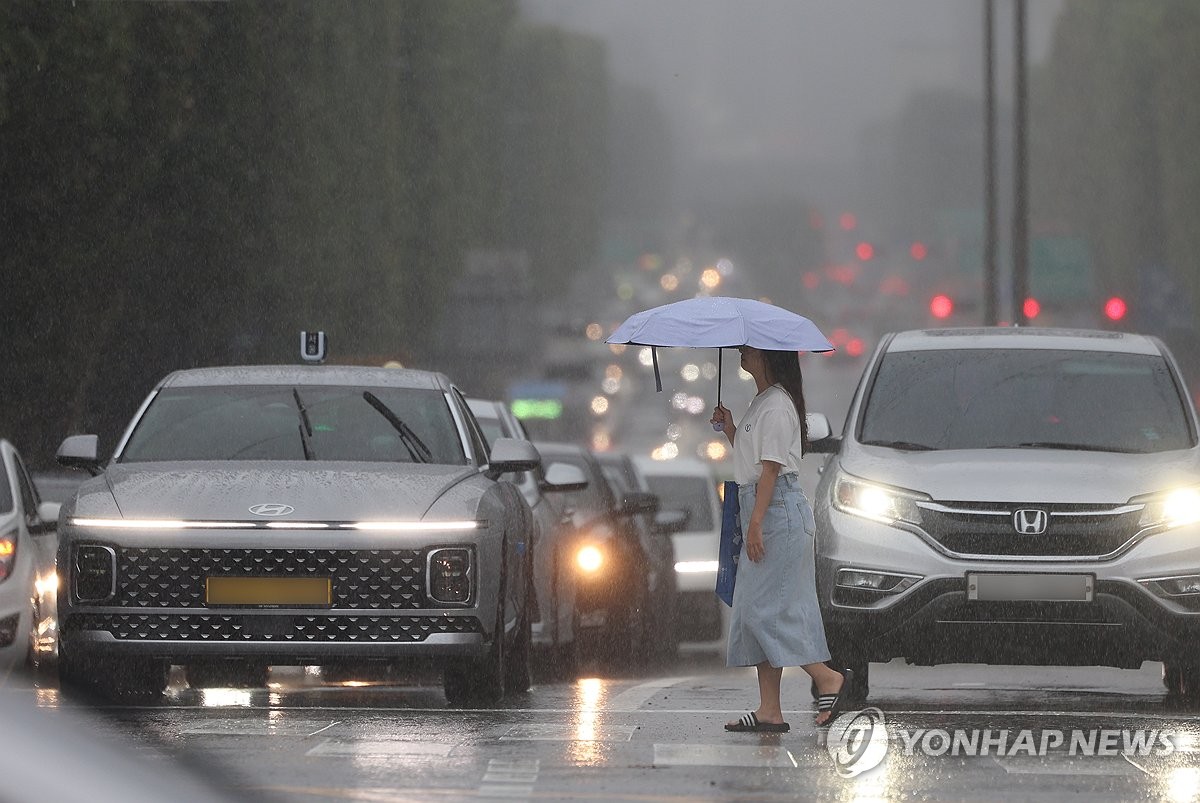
(1182, 682)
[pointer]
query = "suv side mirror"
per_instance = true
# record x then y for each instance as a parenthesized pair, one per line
(511, 454)
(821, 439)
(79, 451)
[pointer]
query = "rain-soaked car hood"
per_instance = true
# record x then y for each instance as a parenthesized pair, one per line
(1024, 475)
(359, 491)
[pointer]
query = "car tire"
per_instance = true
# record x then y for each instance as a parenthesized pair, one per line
(481, 680)
(226, 675)
(1182, 682)
(627, 636)
(518, 668)
(141, 679)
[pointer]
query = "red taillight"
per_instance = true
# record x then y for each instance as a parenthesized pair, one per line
(918, 251)
(941, 306)
(1031, 308)
(855, 347)
(864, 251)
(1114, 308)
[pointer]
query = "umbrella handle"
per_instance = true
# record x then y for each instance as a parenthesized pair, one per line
(718, 427)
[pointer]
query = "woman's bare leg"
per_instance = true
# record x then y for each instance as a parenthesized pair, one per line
(829, 681)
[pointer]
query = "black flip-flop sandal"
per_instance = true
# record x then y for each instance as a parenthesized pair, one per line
(833, 702)
(749, 724)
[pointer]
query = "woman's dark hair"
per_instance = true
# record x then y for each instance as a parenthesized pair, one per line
(785, 369)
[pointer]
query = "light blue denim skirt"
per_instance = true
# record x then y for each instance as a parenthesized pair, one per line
(776, 616)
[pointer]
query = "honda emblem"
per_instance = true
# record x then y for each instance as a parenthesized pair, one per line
(1030, 521)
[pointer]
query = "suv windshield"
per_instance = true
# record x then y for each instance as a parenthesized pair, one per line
(1025, 398)
(284, 423)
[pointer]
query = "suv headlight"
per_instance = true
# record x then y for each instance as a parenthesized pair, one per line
(1172, 509)
(876, 502)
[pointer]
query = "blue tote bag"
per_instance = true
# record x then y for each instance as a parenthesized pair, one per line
(731, 544)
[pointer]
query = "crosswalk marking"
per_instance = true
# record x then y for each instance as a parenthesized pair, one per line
(723, 755)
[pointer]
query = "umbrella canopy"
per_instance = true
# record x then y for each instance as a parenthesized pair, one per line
(720, 322)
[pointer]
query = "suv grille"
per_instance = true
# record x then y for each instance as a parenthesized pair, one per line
(975, 528)
(308, 629)
(362, 578)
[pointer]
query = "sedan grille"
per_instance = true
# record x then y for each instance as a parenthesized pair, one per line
(373, 579)
(1071, 530)
(305, 629)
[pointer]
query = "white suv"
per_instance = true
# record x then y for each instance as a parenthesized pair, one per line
(1014, 496)
(689, 485)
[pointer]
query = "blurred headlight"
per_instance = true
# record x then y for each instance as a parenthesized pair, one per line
(1172, 509)
(876, 502)
(8, 554)
(589, 559)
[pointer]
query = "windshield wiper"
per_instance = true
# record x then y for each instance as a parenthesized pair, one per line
(1081, 447)
(306, 429)
(907, 446)
(416, 447)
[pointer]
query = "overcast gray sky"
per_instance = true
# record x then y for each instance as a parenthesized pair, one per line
(792, 82)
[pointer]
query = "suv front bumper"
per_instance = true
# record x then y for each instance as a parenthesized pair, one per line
(931, 618)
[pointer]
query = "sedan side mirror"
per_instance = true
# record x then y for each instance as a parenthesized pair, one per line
(639, 502)
(564, 477)
(48, 515)
(80, 451)
(667, 522)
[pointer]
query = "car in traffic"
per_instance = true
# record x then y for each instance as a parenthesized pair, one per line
(689, 485)
(1014, 496)
(653, 529)
(555, 647)
(27, 579)
(253, 516)
(608, 560)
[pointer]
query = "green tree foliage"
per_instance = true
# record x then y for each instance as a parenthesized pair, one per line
(193, 183)
(1115, 120)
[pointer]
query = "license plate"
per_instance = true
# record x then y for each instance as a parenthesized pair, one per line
(268, 591)
(1030, 587)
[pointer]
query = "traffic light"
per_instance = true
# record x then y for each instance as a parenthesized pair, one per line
(941, 306)
(1115, 308)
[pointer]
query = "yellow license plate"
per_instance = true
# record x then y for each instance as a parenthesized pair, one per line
(269, 591)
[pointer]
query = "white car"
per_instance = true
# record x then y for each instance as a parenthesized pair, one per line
(27, 545)
(689, 485)
(1014, 496)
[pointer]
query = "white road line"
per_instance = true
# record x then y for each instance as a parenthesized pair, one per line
(1061, 765)
(633, 698)
(327, 727)
(509, 778)
(374, 747)
(581, 732)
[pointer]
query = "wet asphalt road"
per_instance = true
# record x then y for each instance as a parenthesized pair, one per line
(654, 736)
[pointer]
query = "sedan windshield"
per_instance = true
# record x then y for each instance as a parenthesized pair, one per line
(1025, 398)
(312, 422)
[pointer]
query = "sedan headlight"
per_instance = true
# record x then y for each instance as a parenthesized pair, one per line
(876, 502)
(592, 551)
(8, 553)
(1172, 509)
